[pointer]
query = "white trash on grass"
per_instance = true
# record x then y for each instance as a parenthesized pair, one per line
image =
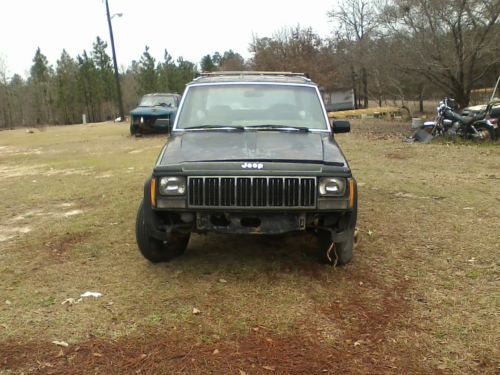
(87, 294)
(91, 294)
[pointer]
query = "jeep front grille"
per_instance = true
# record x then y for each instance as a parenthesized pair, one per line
(267, 192)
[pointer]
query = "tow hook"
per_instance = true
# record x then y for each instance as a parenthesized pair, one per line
(332, 262)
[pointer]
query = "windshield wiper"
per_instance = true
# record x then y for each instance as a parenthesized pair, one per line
(215, 127)
(279, 127)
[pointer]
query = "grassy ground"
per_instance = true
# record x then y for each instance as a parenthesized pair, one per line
(421, 295)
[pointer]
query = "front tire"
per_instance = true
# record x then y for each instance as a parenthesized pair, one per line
(155, 250)
(134, 130)
(341, 252)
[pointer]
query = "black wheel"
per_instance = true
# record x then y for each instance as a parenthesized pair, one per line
(340, 253)
(423, 135)
(134, 130)
(155, 250)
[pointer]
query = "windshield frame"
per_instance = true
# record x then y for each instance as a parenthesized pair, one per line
(254, 83)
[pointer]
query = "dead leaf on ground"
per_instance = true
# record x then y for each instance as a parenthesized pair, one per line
(196, 311)
(269, 368)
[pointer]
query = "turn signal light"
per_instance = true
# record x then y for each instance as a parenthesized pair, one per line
(152, 194)
(351, 193)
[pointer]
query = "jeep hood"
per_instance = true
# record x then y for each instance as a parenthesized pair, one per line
(152, 111)
(210, 146)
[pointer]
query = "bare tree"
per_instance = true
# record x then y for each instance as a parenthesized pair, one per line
(297, 50)
(357, 21)
(453, 44)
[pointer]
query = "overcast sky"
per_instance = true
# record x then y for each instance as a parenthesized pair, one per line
(187, 28)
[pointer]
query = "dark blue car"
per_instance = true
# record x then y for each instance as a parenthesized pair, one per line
(154, 114)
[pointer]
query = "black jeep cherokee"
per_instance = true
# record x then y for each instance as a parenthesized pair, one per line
(250, 152)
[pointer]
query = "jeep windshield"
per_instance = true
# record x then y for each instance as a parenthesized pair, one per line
(276, 107)
(154, 100)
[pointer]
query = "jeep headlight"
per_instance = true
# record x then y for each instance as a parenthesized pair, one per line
(172, 186)
(333, 186)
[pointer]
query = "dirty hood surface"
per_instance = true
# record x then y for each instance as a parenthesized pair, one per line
(152, 111)
(200, 146)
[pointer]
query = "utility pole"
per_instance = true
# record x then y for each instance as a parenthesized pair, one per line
(117, 77)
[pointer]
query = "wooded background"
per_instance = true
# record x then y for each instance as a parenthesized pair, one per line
(385, 50)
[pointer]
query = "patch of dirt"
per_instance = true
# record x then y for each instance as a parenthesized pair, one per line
(396, 156)
(137, 151)
(369, 320)
(72, 213)
(7, 150)
(26, 215)
(67, 172)
(61, 246)
(257, 353)
(11, 171)
(369, 324)
(381, 129)
(14, 227)
(66, 204)
(104, 175)
(401, 194)
(9, 232)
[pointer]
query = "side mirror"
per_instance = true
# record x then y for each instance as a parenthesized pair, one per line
(341, 126)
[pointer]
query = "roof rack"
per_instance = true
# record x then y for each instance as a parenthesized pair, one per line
(252, 73)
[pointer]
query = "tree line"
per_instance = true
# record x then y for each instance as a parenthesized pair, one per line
(84, 85)
(384, 50)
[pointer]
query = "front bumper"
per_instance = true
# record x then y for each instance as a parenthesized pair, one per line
(174, 215)
(152, 123)
(247, 223)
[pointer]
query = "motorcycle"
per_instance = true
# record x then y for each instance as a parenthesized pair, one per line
(481, 126)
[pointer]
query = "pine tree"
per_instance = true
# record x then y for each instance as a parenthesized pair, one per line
(207, 64)
(41, 77)
(166, 70)
(87, 83)
(148, 74)
(18, 93)
(66, 89)
(106, 87)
